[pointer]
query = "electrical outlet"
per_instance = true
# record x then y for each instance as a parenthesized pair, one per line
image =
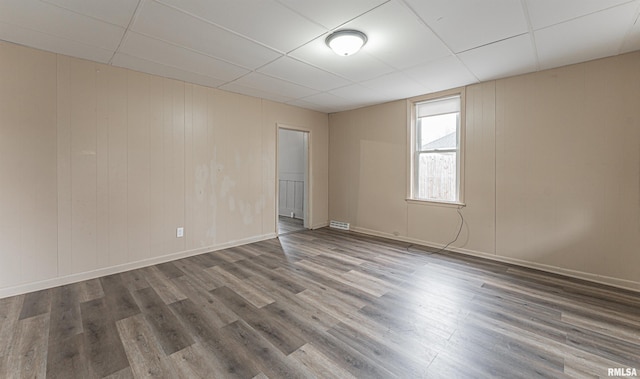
(179, 232)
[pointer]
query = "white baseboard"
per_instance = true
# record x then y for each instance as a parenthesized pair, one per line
(601, 279)
(73, 278)
(320, 225)
(58, 281)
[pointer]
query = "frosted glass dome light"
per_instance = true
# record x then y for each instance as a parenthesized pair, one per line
(346, 42)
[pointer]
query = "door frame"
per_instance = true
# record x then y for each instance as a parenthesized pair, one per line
(308, 192)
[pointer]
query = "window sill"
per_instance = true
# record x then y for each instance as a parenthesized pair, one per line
(449, 204)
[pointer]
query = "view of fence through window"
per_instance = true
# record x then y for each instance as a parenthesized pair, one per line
(437, 147)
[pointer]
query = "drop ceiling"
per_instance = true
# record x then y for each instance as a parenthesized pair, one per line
(275, 49)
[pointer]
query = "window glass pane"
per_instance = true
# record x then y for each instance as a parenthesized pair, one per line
(438, 132)
(437, 176)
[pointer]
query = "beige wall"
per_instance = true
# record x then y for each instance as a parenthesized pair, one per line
(28, 232)
(552, 172)
(99, 165)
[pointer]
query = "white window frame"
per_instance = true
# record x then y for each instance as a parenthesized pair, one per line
(413, 150)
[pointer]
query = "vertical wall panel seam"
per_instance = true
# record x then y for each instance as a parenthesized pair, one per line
(263, 163)
(149, 156)
(70, 105)
(184, 163)
(126, 144)
(57, 172)
(108, 163)
(495, 168)
(96, 81)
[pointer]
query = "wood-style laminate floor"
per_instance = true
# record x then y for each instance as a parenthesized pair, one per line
(326, 304)
(289, 225)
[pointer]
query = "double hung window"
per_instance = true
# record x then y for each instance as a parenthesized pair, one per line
(436, 149)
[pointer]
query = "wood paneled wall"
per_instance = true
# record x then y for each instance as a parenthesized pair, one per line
(552, 172)
(99, 165)
(28, 231)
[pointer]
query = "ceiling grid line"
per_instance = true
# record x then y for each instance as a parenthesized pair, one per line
(217, 25)
(629, 32)
(126, 30)
(532, 35)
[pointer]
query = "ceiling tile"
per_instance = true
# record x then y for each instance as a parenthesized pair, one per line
(632, 41)
(396, 85)
(589, 37)
(274, 85)
(185, 30)
(360, 66)
(118, 12)
(50, 19)
(48, 42)
(323, 102)
(314, 107)
(397, 37)
(464, 25)
(295, 71)
(264, 21)
(166, 54)
(139, 64)
(324, 12)
(543, 13)
(359, 94)
(442, 74)
(508, 57)
(244, 90)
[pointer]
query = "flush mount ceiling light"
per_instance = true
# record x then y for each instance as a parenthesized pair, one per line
(346, 42)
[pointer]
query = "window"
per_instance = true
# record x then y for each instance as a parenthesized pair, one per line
(436, 150)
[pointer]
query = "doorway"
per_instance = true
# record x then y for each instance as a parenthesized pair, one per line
(293, 180)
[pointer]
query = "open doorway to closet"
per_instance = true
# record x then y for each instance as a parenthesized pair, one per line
(293, 180)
